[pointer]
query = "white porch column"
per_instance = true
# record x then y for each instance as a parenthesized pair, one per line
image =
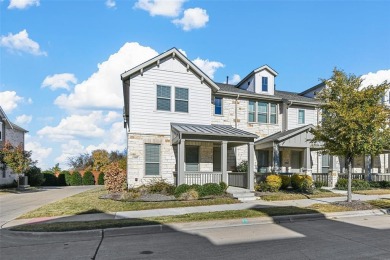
(275, 157)
(307, 161)
(180, 162)
(251, 158)
(224, 162)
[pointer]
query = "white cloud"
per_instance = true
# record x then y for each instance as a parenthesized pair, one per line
(183, 52)
(110, 3)
(80, 126)
(22, 4)
(234, 79)
(169, 8)
(39, 153)
(57, 81)
(112, 116)
(23, 119)
(69, 149)
(376, 78)
(208, 67)
(194, 18)
(103, 89)
(9, 100)
(115, 139)
(20, 42)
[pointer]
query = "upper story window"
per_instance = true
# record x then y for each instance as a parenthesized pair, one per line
(152, 159)
(181, 100)
(251, 111)
(163, 98)
(1, 131)
(266, 112)
(217, 106)
(301, 116)
(264, 84)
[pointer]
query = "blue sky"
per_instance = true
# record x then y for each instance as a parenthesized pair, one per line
(61, 60)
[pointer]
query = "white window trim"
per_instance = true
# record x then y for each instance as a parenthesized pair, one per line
(304, 116)
(268, 113)
(188, 101)
(221, 107)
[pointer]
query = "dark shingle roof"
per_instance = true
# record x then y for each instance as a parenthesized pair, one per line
(279, 95)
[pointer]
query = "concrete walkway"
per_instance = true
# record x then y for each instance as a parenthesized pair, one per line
(13, 205)
(199, 209)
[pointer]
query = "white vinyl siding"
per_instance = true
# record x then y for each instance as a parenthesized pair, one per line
(152, 159)
(143, 114)
(293, 115)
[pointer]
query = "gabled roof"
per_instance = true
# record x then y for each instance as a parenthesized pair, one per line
(281, 136)
(320, 85)
(174, 53)
(9, 123)
(264, 67)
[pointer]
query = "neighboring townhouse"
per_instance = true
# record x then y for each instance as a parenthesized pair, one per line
(9, 132)
(185, 128)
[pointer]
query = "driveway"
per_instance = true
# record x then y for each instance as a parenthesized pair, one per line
(13, 205)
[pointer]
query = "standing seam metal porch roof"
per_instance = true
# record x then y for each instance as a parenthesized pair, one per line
(211, 130)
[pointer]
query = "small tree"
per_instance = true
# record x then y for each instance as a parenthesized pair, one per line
(354, 122)
(76, 179)
(16, 158)
(100, 158)
(101, 178)
(88, 178)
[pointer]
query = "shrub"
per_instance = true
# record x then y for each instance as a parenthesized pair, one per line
(274, 182)
(191, 194)
(88, 178)
(319, 184)
(61, 179)
(384, 184)
(76, 179)
(50, 179)
(161, 186)
(35, 176)
(67, 177)
(181, 189)
(342, 184)
(242, 166)
(262, 186)
(307, 184)
(223, 185)
(101, 178)
(360, 185)
(286, 181)
(375, 184)
(115, 178)
(210, 189)
(296, 181)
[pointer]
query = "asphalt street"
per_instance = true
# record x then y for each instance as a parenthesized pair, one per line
(363, 237)
(13, 205)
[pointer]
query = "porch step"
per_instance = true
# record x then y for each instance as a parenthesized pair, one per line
(241, 194)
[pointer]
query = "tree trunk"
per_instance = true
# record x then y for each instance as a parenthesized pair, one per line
(349, 192)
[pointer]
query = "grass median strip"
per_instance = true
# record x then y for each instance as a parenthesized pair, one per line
(373, 192)
(89, 202)
(282, 195)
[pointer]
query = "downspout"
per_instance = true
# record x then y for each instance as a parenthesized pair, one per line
(318, 158)
(235, 119)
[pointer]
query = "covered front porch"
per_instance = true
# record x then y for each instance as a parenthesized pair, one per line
(206, 154)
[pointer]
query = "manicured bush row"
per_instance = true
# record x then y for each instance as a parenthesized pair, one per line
(88, 178)
(208, 189)
(274, 182)
(101, 178)
(342, 184)
(35, 176)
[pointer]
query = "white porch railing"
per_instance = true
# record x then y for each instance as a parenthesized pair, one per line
(202, 177)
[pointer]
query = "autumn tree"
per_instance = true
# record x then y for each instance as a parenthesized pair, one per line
(354, 121)
(100, 159)
(16, 158)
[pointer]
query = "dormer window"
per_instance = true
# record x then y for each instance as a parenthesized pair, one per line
(264, 84)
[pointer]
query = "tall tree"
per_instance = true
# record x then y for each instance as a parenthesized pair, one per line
(354, 121)
(100, 158)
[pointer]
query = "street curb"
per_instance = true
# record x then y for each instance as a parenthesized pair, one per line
(177, 227)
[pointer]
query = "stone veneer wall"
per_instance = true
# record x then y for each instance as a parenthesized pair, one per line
(14, 137)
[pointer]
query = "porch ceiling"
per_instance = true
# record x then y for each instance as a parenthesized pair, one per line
(209, 132)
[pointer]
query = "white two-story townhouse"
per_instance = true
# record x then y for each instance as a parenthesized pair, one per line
(185, 128)
(14, 134)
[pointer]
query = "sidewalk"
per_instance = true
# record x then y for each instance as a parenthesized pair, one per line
(188, 210)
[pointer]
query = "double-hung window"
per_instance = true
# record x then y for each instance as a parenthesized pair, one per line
(164, 98)
(181, 100)
(273, 114)
(251, 111)
(264, 84)
(217, 106)
(152, 159)
(262, 112)
(301, 116)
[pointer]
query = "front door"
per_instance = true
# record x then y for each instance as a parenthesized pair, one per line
(192, 158)
(216, 159)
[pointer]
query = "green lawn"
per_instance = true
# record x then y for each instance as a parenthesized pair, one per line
(291, 195)
(89, 202)
(373, 192)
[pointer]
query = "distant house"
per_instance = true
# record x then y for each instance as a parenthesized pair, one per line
(185, 128)
(9, 132)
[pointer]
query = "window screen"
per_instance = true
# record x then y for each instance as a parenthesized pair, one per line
(251, 111)
(181, 100)
(152, 159)
(262, 114)
(164, 98)
(218, 106)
